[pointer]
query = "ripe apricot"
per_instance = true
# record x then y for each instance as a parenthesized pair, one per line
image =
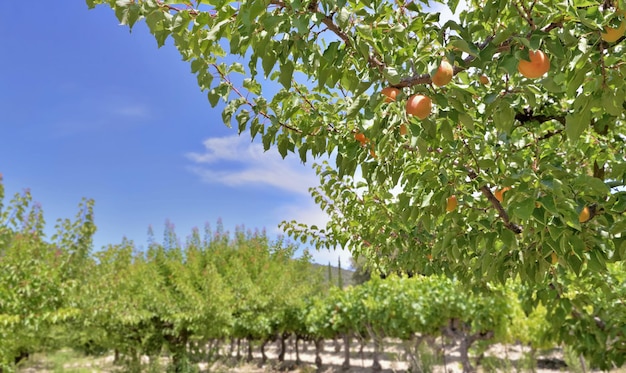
(499, 193)
(612, 34)
(360, 137)
(451, 203)
(584, 215)
(443, 75)
(538, 65)
(391, 93)
(403, 129)
(419, 105)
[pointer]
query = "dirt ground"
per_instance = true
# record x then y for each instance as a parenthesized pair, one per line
(499, 358)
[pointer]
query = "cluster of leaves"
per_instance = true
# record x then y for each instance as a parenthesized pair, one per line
(556, 141)
(38, 277)
(414, 309)
(315, 69)
(208, 288)
(173, 295)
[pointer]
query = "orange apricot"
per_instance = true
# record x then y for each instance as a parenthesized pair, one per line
(390, 93)
(538, 65)
(419, 106)
(451, 203)
(443, 75)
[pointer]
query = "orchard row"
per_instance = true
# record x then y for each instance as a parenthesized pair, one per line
(217, 286)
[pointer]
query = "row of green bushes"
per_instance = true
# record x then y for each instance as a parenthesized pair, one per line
(174, 295)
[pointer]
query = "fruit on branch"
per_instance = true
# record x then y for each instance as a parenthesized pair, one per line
(443, 75)
(499, 193)
(538, 65)
(360, 137)
(612, 34)
(403, 129)
(484, 79)
(419, 106)
(391, 93)
(584, 215)
(451, 203)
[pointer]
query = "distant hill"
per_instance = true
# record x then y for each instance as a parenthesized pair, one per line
(346, 274)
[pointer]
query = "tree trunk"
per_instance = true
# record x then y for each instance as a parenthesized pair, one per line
(411, 348)
(464, 351)
(319, 343)
(178, 348)
(263, 355)
(376, 367)
(231, 349)
(346, 352)
(23, 355)
(337, 344)
(283, 347)
(298, 361)
(249, 358)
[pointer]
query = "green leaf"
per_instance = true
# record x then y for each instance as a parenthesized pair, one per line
(286, 73)
(269, 60)
(576, 123)
(464, 46)
(523, 209)
(283, 145)
(214, 97)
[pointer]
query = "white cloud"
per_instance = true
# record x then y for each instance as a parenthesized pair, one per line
(252, 165)
(248, 164)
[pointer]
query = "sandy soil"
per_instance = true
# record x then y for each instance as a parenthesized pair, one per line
(511, 358)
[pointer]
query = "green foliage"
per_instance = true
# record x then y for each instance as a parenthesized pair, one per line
(246, 286)
(555, 141)
(37, 278)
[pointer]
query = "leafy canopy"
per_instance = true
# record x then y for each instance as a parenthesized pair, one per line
(310, 83)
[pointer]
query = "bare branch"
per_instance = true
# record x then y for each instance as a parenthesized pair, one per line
(498, 206)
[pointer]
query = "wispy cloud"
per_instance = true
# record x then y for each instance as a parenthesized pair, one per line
(247, 164)
(97, 115)
(131, 111)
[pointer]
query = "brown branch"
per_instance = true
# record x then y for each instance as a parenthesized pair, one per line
(526, 14)
(327, 20)
(191, 11)
(426, 78)
(545, 136)
(528, 116)
(238, 92)
(497, 205)
(374, 61)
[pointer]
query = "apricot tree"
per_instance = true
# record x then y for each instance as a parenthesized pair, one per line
(556, 140)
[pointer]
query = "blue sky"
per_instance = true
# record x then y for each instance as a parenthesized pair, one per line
(88, 109)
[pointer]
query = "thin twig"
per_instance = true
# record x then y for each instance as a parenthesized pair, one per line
(238, 92)
(497, 205)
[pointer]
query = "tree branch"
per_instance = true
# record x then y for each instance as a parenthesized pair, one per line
(238, 92)
(498, 206)
(528, 116)
(374, 61)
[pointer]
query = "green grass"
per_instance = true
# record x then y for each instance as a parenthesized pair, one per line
(64, 361)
